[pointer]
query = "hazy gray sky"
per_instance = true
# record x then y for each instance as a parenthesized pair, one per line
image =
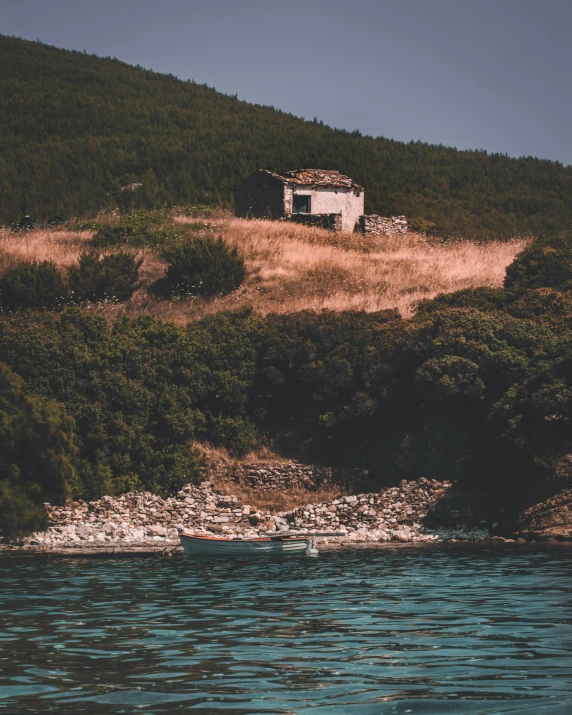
(490, 74)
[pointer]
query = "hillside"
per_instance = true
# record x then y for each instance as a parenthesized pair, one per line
(306, 357)
(75, 129)
(291, 268)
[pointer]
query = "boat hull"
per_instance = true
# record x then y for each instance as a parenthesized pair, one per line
(220, 547)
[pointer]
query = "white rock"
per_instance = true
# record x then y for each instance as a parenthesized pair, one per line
(84, 531)
(157, 530)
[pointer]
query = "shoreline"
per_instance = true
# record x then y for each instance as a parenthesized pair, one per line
(144, 520)
(177, 550)
(142, 523)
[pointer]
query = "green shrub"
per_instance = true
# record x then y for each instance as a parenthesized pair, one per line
(483, 298)
(120, 234)
(420, 225)
(85, 226)
(546, 263)
(32, 285)
(19, 514)
(112, 236)
(142, 229)
(547, 306)
(140, 392)
(38, 447)
(198, 211)
(204, 266)
(96, 277)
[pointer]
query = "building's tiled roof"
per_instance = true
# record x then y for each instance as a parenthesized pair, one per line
(318, 177)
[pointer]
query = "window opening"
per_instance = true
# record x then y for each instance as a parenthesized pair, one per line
(301, 204)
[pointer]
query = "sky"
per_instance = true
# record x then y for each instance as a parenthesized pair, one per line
(473, 74)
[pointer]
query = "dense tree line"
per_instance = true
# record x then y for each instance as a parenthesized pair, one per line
(477, 387)
(76, 129)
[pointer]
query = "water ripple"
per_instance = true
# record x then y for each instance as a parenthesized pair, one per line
(391, 630)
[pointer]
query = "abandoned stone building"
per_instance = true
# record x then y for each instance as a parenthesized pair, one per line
(313, 196)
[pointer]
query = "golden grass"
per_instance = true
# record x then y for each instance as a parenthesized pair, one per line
(293, 267)
(275, 500)
(61, 247)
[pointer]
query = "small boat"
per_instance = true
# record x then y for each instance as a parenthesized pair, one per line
(287, 543)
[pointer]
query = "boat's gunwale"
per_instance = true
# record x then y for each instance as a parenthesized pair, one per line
(227, 540)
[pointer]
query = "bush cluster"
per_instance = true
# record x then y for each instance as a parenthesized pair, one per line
(109, 269)
(139, 393)
(113, 276)
(204, 266)
(140, 229)
(32, 285)
(95, 277)
(546, 263)
(478, 387)
(38, 449)
(196, 265)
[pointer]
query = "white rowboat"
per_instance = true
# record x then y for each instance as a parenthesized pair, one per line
(207, 545)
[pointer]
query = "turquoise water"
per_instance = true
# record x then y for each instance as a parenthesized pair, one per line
(373, 631)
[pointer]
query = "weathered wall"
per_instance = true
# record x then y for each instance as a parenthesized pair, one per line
(260, 196)
(331, 222)
(265, 476)
(326, 200)
(382, 226)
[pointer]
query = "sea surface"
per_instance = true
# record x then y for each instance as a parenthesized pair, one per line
(433, 629)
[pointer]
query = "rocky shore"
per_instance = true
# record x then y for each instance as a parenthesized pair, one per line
(406, 513)
(548, 520)
(144, 520)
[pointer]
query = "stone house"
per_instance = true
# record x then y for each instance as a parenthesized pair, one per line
(312, 196)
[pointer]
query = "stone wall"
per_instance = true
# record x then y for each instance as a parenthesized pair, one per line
(332, 222)
(382, 226)
(265, 476)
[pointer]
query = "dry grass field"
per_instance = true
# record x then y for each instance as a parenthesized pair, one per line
(293, 267)
(61, 247)
(277, 500)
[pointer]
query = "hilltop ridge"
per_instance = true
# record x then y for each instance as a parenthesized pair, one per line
(75, 129)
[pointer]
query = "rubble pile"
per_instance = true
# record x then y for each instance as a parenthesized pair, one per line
(549, 520)
(142, 519)
(393, 514)
(147, 520)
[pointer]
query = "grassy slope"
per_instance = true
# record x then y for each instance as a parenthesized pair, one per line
(74, 128)
(293, 267)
